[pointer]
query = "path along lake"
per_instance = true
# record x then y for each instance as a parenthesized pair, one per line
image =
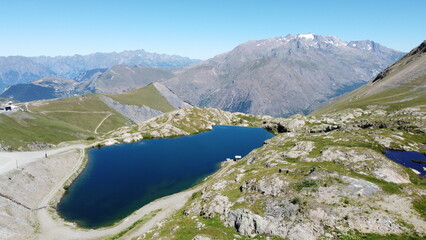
(120, 179)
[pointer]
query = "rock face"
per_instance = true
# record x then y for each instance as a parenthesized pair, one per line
(174, 100)
(281, 76)
(137, 114)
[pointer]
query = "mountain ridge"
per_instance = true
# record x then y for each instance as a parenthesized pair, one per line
(117, 79)
(21, 69)
(281, 76)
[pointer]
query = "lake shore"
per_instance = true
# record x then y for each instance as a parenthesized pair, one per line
(43, 222)
(41, 180)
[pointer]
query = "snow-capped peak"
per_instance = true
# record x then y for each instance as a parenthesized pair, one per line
(308, 36)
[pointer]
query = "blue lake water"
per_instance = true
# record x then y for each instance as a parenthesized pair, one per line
(120, 179)
(408, 159)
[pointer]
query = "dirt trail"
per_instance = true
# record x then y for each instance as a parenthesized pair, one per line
(103, 120)
(9, 160)
(59, 185)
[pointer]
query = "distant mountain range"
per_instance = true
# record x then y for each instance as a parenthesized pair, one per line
(18, 69)
(116, 79)
(281, 76)
(277, 76)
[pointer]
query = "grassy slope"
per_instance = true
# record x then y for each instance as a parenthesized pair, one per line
(73, 118)
(148, 96)
(393, 99)
(402, 86)
(52, 121)
(17, 130)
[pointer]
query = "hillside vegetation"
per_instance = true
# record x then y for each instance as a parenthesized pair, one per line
(44, 123)
(399, 86)
(146, 96)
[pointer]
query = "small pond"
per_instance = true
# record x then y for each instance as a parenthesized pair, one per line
(120, 179)
(412, 160)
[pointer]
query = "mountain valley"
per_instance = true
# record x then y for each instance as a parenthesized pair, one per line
(322, 176)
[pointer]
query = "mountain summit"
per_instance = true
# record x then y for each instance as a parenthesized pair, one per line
(282, 76)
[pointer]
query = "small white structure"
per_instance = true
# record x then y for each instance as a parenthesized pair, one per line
(237, 157)
(9, 107)
(110, 142)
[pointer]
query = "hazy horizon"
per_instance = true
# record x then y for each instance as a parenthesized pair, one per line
(195, 29)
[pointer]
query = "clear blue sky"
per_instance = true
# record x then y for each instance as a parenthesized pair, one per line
(198, 28)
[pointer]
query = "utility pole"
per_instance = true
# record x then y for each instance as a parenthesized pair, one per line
(16, 160)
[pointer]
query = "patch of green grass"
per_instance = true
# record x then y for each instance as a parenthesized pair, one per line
(295, 200)
(252, 120)
(420, 206)
(257, 207)
(356, 235)
(306, 184)
(147, 136)
(139, 222)
(388, 187)
(146, 96)
(419, 161)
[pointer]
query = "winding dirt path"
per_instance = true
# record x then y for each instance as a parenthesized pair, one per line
(103, 120)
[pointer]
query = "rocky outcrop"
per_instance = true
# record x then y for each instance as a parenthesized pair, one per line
(185, 122)
(271, 186)
(364, 161)
(295, 123)
(250, 224)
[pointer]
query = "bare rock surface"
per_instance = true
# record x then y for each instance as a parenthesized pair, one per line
(174, 100)
(137, 114)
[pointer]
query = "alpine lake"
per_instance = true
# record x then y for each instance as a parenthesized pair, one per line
(122, 178)
(413, 160)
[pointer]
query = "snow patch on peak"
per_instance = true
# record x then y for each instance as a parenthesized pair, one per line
(308, 36)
